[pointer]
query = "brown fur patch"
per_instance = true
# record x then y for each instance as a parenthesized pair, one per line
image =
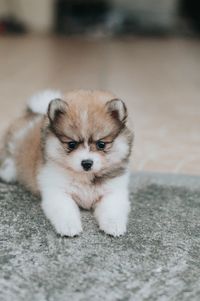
(83, 118)
(28, 157)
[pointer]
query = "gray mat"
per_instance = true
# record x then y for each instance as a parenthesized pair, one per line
(158, 259)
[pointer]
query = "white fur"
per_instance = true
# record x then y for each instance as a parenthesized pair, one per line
(8, 170)
(112, 211)
(39, 102)
(58, 186)
(84, 192)
(85, 154)
(120, 150)
(57, 204)
(60, 191)
(53, 147)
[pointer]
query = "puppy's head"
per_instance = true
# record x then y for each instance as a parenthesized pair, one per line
(88, 133)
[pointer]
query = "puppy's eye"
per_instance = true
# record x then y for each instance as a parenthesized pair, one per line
(72, 145)
(100, 145)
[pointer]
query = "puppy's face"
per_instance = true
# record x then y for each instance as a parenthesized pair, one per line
(89, 135)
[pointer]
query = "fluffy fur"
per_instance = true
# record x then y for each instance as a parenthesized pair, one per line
(45, 150)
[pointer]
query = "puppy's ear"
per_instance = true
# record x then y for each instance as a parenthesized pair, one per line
(57, 107)
(117, 109)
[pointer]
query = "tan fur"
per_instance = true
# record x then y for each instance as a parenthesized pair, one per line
(74, 125)
(29, 157)
(25, 149)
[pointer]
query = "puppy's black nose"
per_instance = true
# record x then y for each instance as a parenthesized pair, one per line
(87, 164)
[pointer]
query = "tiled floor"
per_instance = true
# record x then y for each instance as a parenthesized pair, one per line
(159, 79)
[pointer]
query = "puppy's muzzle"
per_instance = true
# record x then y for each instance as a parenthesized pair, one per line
(87, 164)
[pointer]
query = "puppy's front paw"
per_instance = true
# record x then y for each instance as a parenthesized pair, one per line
(68, 226)
(64, 215)
(112, 226)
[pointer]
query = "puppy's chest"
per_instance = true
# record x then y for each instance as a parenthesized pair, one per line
(86, 195)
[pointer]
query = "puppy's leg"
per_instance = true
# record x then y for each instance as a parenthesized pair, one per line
(8, 170)
(62, 212)
(112, 211)
(57, 205)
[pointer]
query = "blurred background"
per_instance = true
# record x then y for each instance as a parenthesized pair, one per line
(145, 51)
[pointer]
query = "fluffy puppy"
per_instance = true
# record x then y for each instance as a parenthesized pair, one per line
(73, 150)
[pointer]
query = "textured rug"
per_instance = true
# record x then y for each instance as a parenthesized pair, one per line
(158, 259)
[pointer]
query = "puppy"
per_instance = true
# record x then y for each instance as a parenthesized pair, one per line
(73, 150)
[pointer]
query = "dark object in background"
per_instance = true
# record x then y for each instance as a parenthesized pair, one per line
(11, 26)
(99, 18)
(190, 9)
(77, 17)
